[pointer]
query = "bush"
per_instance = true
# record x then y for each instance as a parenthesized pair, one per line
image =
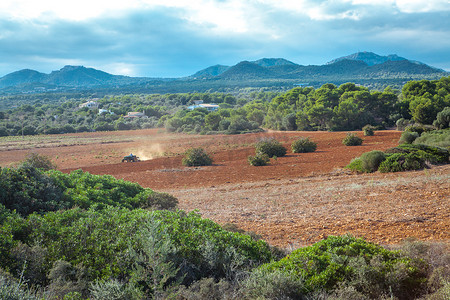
(371, 160)
(443, 119)
(438, 138)
(408, 137)
(402, 124)
(428, 153)
(38, 161)
(344, 260)
(11, 290)
(369, 130)
(258, 160)
(196, 157)
(271, 147)
(303, 145)
(352, 140)
(419, 128)
(355, 165)
(160, 201)
(399, 162)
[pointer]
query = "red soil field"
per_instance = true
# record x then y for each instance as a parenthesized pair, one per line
(294, 201)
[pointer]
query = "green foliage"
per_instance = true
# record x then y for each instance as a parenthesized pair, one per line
(303, 145)
(271, 147)
(370, 161)
(38, 161)
(355, 165)
(113, 290)
(370, 269)
(11, 290)
(402, 124)
(438, 138)
(399, 162)
(272, 284)
(352, 140)
(442, 119)
(196, 157)
(258, 160)
(408, 137)
(369, 130)
(430, 154)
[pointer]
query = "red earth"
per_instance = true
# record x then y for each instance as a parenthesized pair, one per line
(296, 200)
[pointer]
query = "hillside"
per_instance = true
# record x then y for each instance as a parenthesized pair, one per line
(365, 68)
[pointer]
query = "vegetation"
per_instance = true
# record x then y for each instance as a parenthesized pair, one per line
(368, 130)
(303, 145)
(408, 137)
(347, 261)
(270, 147)
(352, 140)
(370, 161)
(196, 157)
(259, 160)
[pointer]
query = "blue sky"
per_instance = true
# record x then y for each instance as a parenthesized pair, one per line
(164, 38)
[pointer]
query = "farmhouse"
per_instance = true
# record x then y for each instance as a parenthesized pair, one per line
(200, 104)
(89, 104)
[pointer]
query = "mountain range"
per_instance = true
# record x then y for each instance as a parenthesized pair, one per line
(357, 67)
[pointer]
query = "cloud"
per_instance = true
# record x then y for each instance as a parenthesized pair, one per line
(177, 38)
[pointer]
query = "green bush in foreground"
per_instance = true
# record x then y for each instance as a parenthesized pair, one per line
(371, 160)
(437, 138)
(399, 162)
(355, 165)
(303, 145)
(196, 157)
(258, 160)
(345, 260)
(352, 140)
(271, 147)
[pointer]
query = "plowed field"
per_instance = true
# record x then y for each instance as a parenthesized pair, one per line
(296, 200)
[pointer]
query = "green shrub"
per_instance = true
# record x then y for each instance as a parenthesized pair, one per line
(371, 160)
(273, 284)
(345, 260)
(158, 201)
(428, 153)
(419, 128)
(355, 165)
(258, 160)
(408, 137)
(271, 147)
(196, 157)
(437, 138)
(369, 130)
(303, 145)
(402, 124)
(206, 289)
(11, 290)
(352, 140)
(399, 162)
(38, 161)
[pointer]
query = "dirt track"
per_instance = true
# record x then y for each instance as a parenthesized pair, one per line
(296, 200)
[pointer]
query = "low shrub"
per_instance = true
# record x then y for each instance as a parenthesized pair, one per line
(369, 130)
(258, 160)
(370, 161)
(352, 140)
(160, 201)
(419, 128)
(399, 162)
(408, 137)
(271, 147)
(430, 154)
(355, 165)
(303, 145)
(344, 260)
(402, 123)
(38, 161)
(437, 138)
(196, 157)
(443, 118)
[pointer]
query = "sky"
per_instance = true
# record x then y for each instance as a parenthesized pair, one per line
(176, 38)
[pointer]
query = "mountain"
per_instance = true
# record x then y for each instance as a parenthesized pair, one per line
(270, 62)
(365, 68)
(211, 71)
(369, 58)
(246, 70)
(25, 76)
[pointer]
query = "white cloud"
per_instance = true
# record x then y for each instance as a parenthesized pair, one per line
(408, 6)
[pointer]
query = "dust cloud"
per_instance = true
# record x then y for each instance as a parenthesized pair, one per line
(149, 152)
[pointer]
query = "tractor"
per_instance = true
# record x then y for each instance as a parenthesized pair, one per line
(130, 158)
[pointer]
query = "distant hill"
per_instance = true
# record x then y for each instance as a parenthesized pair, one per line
(246, 70)
(270, 62)
(365, 68)
(369, 58)
(211, 71)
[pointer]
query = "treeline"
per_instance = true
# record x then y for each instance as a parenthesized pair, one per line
(330, 107)
(83, 236)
